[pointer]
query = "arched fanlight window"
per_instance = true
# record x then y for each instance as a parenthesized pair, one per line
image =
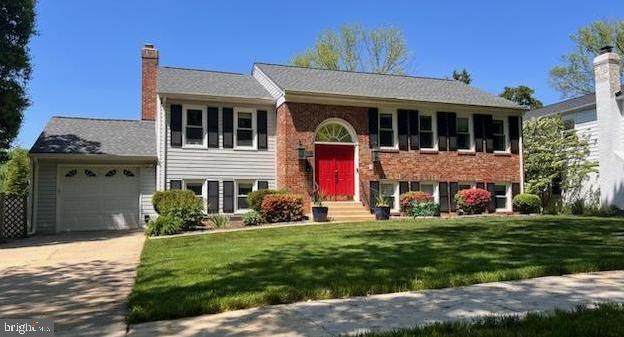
(334, 133)
(89, 173)
(71, 173)
(111, 173)
(128, 173)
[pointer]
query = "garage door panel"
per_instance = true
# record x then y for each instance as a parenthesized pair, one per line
(99, 198)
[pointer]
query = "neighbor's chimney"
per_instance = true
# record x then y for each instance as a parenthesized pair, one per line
(149, 68)
(610, 124)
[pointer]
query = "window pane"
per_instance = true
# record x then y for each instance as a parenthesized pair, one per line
(244, 138)
(499, 143)
(427, 188)
(387, 190)
(244, 120)
(385, 121)
(242, 203)
(501, 202)
(462, 125)
(194, 135)
(426, 139)
(464, 187)
(463, 142)
(500, 190)
(497, 127)
(425, 123)
(243, 190)
(195, 187)
(194, 117)
(386, 138)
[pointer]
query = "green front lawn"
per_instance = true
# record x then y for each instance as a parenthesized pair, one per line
(604, 321)
(202, 274)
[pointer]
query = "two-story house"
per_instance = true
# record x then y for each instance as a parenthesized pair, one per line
(351, 135)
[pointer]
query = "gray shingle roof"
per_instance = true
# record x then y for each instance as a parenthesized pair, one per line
(297, 79)
(567, 105)
(74, 135)
(213, 83)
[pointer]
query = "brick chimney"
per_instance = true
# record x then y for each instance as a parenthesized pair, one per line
(610, 127)
(149, 68)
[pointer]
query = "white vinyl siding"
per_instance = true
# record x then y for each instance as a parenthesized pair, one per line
(221, 164)
(46, 198)
(147, 189)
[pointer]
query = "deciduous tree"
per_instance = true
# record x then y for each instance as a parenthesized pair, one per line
(15, 174)
(463, 76)
(522, 95)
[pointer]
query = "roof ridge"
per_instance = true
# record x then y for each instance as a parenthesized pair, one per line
(359, 72)
(102, 119)
(204, 70)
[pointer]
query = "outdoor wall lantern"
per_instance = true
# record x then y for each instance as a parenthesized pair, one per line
(301, 152)
(375, 155)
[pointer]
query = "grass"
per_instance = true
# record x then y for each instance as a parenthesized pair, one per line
(604, 321)
(203, 274)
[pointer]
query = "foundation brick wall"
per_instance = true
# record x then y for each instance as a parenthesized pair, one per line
(298, 122)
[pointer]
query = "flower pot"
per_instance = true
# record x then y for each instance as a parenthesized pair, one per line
(382, 213)
(319, 214)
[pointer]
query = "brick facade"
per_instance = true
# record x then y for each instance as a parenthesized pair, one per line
(297, 122)
(149, 69)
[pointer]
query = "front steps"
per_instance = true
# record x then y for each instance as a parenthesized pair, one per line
(346, 211)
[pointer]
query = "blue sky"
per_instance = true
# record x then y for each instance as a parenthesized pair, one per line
(86, 58)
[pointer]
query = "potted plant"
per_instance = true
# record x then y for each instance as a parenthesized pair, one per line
(319, 212)
(382, 208)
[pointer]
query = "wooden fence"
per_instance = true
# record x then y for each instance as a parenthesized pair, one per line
(13, 217)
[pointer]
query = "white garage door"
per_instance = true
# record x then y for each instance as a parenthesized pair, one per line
(98, 198)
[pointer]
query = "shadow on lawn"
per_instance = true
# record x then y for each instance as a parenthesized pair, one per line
(367, 261)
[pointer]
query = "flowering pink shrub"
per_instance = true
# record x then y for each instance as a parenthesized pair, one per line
(406, 199)
(473, 201)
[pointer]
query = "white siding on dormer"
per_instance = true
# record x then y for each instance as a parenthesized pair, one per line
(586, 125)
(267, 83)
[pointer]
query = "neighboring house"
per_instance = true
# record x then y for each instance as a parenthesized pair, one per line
(352, 135)
(598, 116)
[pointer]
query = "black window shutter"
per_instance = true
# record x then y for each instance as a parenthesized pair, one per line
(228, 197)
(514, 133)
(403, 187)
(452, 131)
(442, 131)
(373, 127)
(491, 187)
(489, 139)
(228, 128)
(413, 130)
(374, 190)
(176, 125)
(175, 184)
(481, 185)
(414, 186)
(263, 185)
(515, 190)
(261, 120)
(477, 121)
(213, 127)
(403, 121)
(213, 196)
(444, 196)
(453, 189)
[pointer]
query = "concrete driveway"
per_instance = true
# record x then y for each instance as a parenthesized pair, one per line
(80, 280)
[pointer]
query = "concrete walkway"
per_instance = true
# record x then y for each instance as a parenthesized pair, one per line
(80, 280)
(399, 310)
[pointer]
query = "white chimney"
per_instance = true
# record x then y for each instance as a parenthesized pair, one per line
(610, 127)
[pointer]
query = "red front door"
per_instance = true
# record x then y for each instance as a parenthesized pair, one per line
(334, 171)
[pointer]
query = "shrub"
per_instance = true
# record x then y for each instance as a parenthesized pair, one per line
(255, 198)
(282, 207)
(252, 218)
(182, 204)
(526, 203)
(164, 225)
(219, 220)
(472, 201)
(406, 199)
(423, 208)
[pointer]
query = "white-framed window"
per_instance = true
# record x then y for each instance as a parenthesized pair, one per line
(431, 188)
(388, 135)
(198, 187)
(194, 126)
(499, 135)
(245, 129)
(464, 132)
(390, 191)
(243, 188)
(466, 185)
(502, 197)
(426, 131)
